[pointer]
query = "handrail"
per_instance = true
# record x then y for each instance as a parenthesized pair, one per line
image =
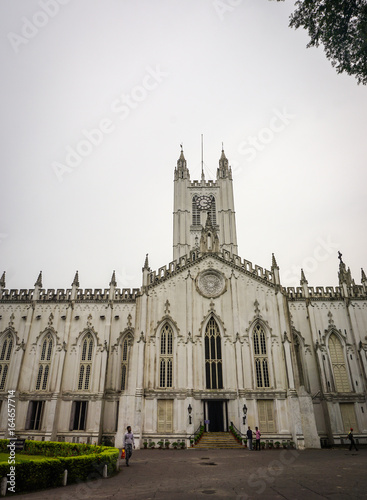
(196, 432)
(237, 431)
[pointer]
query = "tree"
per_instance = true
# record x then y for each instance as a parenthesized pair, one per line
(341, 27)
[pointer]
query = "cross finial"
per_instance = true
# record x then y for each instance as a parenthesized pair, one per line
(340, 256)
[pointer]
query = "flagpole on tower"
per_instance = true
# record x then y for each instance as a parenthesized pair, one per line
(202, 158)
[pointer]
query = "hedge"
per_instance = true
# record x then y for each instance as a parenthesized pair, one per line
(82, 462)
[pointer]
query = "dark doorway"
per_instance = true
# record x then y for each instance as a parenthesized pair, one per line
(215, 416)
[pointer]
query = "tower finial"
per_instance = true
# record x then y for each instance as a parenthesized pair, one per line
(146, 263)
(303, 277)
(364, 278)
(113, 279)
(274, 263)
(202, 158)
(39, 280)
(2, 280)
(76, 280)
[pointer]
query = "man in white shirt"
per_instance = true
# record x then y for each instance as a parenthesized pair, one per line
(128, 444)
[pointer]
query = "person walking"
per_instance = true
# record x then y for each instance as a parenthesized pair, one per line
(249, 438)
(128, 444)
(351, 438)
(258, 434)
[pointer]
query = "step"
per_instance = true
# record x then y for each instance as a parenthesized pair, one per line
(220, 440)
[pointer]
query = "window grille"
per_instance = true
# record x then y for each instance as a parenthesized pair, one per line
(6, 351)
(261, 359)
(86, 363)
(44, 366)
(213, 356)
(166, 358)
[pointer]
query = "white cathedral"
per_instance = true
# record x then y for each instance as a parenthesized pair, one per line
(207, 339)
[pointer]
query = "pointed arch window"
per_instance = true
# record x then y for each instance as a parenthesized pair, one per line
(86, 363)
(195, 212)
(5, 355)
(213, 356)
(261, 357)
(166, 357)
(45, 363)
(341, 380)
(125, 361)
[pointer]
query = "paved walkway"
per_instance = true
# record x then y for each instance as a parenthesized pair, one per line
(199, 474)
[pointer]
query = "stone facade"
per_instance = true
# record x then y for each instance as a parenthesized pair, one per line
(209, 332)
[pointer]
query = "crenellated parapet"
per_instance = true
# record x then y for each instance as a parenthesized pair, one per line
(206, 184)
(322, 293)
(62, 295)
(184, 262)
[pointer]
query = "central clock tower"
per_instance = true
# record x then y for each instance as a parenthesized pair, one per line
(197, 202)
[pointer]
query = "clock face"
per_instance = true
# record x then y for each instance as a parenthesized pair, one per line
(203, 202)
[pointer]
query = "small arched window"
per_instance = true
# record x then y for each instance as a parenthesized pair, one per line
(86, 363)
(5, 355)
(45, 363)
(261, 357)
(166, 357)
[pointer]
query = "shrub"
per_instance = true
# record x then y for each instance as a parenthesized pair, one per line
(152, 444)
(81, 461)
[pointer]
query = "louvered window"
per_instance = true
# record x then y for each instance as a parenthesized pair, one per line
(341, 379)
(266, 415)
(195, 213)
(165, 415)
(348, 413)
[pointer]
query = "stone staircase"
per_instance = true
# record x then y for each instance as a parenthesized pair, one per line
(215, 440)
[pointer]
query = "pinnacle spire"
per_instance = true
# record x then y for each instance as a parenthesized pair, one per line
(303, 277)
(364, 278)
(274, 263)
(2, 280)
(39, 280)
(345, 276)
(146, 262)
(181, 162)
(223, 170)
(76, 280)
(113, 279)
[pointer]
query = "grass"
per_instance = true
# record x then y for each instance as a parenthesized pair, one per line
(25, 458)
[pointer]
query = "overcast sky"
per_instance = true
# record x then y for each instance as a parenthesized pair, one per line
(149, 75)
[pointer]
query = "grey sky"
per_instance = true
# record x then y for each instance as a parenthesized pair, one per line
(184, 68)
